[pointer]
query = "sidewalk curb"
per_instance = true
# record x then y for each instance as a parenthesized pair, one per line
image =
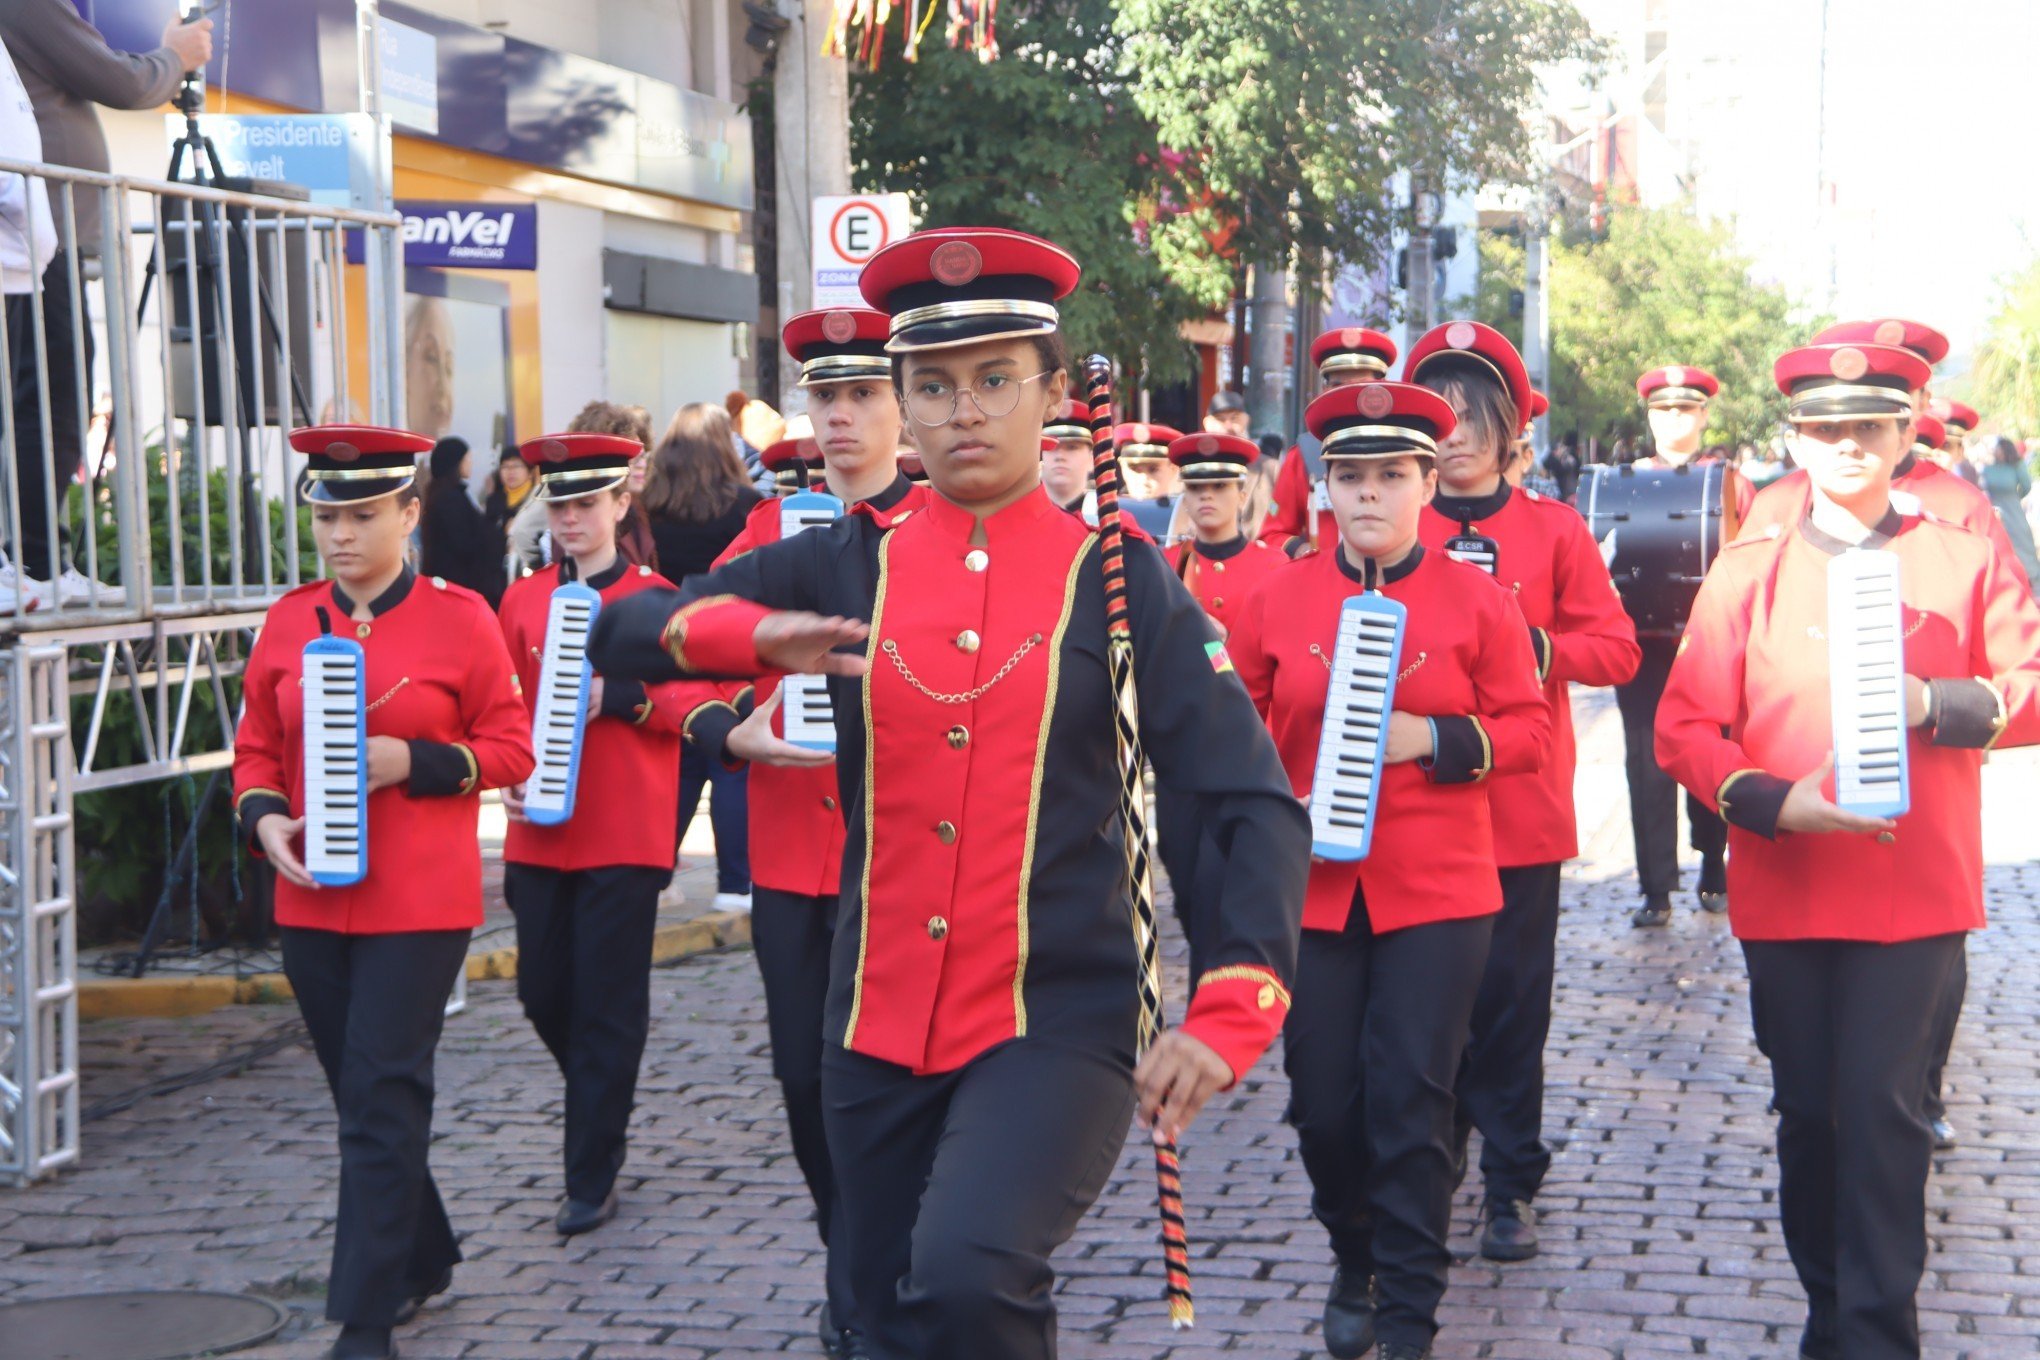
(170, 998)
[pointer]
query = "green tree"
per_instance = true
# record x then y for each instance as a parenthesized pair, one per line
(1298, 114)
(2004, 380)
(1661, 287)
(1048, 140)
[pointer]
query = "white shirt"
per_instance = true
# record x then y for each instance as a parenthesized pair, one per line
(24, 202)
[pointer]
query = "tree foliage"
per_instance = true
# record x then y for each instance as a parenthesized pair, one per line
(2004, 380)
(1662, 287)
(1045, 140)
(1296, 115)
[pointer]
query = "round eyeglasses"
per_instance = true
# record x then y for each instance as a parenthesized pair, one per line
(935, 402)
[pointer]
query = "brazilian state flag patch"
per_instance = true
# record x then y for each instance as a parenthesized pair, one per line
(1220, 662)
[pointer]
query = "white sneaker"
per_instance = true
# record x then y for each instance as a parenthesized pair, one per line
(733, 901)
(20, 592)
(75, 587)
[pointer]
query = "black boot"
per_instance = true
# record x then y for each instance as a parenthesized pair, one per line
(1511, 1231)
(363, 1343)
(408, 1309)
(1655, 911)
(1349, 1314)
(1944, 1135)
(580, 1216)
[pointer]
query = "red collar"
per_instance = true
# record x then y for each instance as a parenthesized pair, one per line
(953, 521)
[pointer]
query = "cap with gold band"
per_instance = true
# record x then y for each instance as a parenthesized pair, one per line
(1539, 404)
(1352, 349)
(839, 344)
(1958, 417)
(1929, 434)
(1677, 385)
(1916, 336)
(1138, 442)
(1213, 457)
(571, 466)
(1072, 422)
(964, 285)
(1840, 382)
(1379, 420)
(791, 462)
(1477, 348)
(346, 463)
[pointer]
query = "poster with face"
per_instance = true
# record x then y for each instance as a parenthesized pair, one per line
(457, 363)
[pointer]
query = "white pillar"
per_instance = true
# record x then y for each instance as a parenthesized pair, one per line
(811, 118)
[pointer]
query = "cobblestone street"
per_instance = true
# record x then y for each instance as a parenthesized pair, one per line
(1659, 1228)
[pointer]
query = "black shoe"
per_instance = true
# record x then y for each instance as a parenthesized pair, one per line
(1655, 911)
(854, 1346)
(1818, 1341)
(363, 1343)
(578, 1216)
(831, 1334)
(1714, 903)
(1944, 1135)
(1403, 1350)
(408, 1309)
(1511, 1231)
(1349, 1315)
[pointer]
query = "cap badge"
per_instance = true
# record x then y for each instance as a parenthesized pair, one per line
(1675, 376)
(553, 451)
(1848, 363)
(1140, 435)
(1889, 333)
(1352, 337)
(342, 452)
(1208, 444)
(1461, 335)
(1375, 402)
(839, 328)
(955, 263)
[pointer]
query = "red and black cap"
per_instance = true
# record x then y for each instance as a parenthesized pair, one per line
(1214, 457)
(1352, 349)
(1677, 385)
(1929, 434)
(1539, 404)
(1073, 421)
(790, 461)
(838, 344)
(1380, 420)
(1478, 347)
(357, 462)
(1137, 441)
(1838, 382)
(1955, 415)
(960, 285)
(571, 466)
(1921, 339)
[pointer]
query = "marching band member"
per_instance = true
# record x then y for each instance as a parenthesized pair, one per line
(1393, 945)
(373, 963)
(1851, 925)
(1676, 399)
(791, 463)
(1147, 479)
(1350, 354)
(797, 830)
(1222, 566)
(981, 1022)
(1958, 421)
(585, 892)
(1066, 460)
(1541, 551)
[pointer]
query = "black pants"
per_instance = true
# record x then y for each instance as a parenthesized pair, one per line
(374, 1005)
(1654, 795)
(1372, 1047)
(69, 389)
(729, 812)
(1848, 1028)
(584, 975)
(957, 1186)
(1501, 1082)
(1182, 846)
(1945, 1023)
(792, 936)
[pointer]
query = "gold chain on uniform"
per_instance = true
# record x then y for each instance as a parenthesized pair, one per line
(892, 649)
(1401, 676)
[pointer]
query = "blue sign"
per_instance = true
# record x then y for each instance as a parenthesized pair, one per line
(410, 77)
(464, 235)
(328, 154)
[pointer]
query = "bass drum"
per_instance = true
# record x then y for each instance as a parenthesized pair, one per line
(1659, 530)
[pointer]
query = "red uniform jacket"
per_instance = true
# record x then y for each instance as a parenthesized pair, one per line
(1754, 661)
(1289, 515)
(1466, 662)
(629, 789)
(984, 880)
(1548, 559)
(796, 811)
(1940, 493)
(1222, 575)
(437, 676)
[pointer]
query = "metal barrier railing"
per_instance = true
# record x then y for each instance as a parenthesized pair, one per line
(223, 321)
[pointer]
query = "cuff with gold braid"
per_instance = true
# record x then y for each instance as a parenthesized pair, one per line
(1752, 800)
(715, 636)
(1969, 714)
(1462, 753)
(441, 769)
(252, 807)
(1237, 1012)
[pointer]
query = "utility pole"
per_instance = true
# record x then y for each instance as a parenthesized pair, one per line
(1537, 304)
(1267, 399)
(811, 137)
(1423, 303)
